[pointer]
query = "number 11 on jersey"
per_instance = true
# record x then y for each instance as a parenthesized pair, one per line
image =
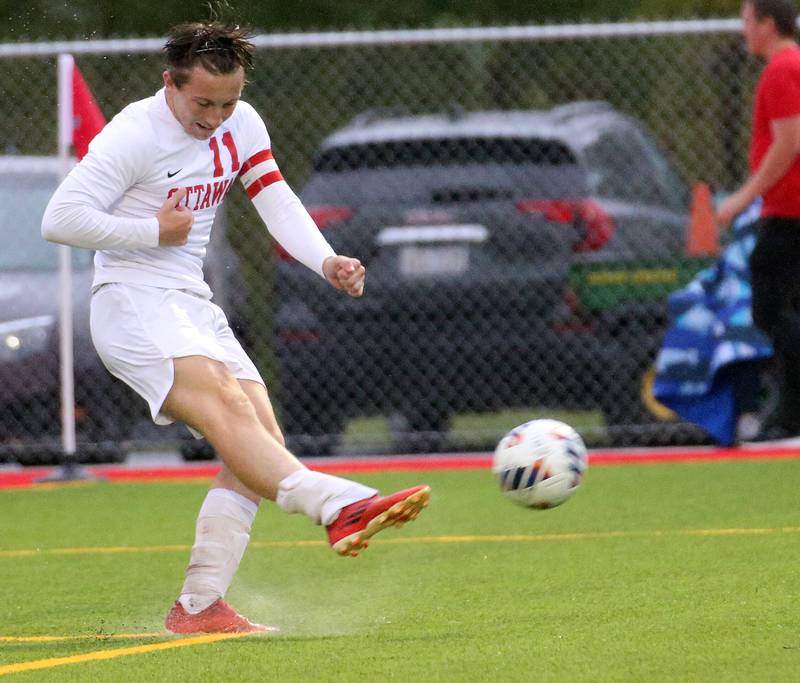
(227, 140)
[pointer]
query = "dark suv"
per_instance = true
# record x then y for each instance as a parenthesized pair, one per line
(514, 259)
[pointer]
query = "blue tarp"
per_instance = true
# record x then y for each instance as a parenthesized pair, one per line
(711, 333)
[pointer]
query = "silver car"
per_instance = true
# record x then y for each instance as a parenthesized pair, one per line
(106, 410)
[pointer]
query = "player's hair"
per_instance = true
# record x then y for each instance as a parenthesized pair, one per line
(782, 12)
(220, 48)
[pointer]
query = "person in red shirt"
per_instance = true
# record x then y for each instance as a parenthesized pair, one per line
(768, 28)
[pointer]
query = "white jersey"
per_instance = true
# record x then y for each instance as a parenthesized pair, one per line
(110, 199)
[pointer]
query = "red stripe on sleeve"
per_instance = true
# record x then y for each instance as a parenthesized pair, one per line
(264, 181)
(259, 157)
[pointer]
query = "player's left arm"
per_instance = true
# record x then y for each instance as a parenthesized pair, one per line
(290, 224)
(346, 273)
(288, 221)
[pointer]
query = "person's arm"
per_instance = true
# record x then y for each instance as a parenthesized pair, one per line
(285, 216)
(72, 218)
(780, 156)
(78, 212)
(289, 223)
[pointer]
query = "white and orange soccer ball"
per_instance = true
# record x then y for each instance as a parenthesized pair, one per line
(540, 464)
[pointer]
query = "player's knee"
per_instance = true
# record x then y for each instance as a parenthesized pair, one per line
(234, 403)
(277, 434)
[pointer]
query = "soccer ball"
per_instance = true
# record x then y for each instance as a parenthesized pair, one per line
(540, 463)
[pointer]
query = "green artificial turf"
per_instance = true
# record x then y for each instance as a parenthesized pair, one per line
(652, 572)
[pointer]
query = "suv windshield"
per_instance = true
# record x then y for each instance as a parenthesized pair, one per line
(24, 199)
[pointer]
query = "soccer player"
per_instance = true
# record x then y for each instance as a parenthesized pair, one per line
(769, 27)
(144, 198)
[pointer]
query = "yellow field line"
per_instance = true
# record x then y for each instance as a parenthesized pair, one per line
(97, 550)
(56, 485)
(117, 652)
(507, 538)
(44, 487)
(93, 636)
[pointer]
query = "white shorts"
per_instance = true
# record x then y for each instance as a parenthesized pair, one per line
(137, 331)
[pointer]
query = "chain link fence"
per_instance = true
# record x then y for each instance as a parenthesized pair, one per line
(518, 263)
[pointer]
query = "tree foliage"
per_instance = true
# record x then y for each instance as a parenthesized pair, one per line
(52, 19)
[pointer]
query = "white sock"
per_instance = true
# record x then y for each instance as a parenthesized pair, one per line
(222, 533)
(319, 496)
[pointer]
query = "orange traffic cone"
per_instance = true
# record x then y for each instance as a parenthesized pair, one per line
(702, 238)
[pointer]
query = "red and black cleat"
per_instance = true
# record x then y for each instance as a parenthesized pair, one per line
(219, 617)
(361, 520)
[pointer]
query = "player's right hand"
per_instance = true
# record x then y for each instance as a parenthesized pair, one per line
(174, 221)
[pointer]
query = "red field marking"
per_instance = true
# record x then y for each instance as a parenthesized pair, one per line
(28, 476)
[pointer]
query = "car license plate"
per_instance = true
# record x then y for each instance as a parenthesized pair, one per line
(445, 259)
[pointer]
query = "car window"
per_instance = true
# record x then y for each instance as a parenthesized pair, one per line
(618, 169)
(445, 171)
(630, 167)
(444, 152)
(24, 200)
(672, 188)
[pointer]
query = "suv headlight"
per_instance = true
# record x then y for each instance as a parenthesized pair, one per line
(20, 338)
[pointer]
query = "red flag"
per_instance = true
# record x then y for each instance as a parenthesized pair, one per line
(88, 120)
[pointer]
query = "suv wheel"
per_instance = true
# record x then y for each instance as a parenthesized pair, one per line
(193, 450)
(422, 429)
(624, 405)
(311, 432)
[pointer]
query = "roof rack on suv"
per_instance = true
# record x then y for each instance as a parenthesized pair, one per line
(455, 111)
(369, 116)
(583, 108)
